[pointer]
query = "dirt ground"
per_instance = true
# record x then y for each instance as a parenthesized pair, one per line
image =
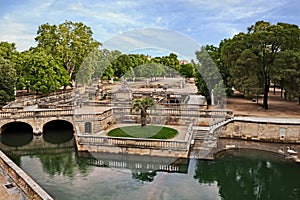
(278, 107)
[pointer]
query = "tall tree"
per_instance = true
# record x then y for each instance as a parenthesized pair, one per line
(208, 77)
(215, 54)
(289, 64)
(187, 70)
(68, 42)
(121, 65)
(43, 74)
(8, 51)
(142, 105)
(251, 56)
(7, 80)
(103, 67)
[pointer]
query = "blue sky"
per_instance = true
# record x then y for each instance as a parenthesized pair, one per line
(201, 21)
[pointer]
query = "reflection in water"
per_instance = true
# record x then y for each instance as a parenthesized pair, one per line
(243, 174)
(249, 174)
(144, 176)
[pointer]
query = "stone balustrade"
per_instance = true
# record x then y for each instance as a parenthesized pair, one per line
(132, 142)
(38, 113)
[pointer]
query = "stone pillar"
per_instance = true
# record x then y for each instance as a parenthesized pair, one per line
(37, 130)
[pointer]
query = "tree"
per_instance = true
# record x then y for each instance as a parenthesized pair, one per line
(121, 65)
(252, 55)
(215, 54)
(187, 70)
(8, 51)
(289, 64)
(103, 68)
(142, 105)
(208, 76)
(171, 62)
(43, 74)
(68, 42)
(7, 81)
(150, 70)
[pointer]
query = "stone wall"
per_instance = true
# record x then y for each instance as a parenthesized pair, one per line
(262, 131)
(22, 180)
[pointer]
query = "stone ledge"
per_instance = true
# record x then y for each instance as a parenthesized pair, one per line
(22, 180)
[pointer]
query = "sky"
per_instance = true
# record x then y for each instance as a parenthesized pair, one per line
(159, 24)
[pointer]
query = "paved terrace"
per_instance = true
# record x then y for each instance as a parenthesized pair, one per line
(13, 193)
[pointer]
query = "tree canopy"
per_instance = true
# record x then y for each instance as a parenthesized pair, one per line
(68, 42)
(142, 105)
(252, 56)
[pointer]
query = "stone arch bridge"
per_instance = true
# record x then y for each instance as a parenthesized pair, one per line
(39, 118)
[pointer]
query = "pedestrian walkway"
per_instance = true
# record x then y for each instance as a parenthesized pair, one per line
(8, 189)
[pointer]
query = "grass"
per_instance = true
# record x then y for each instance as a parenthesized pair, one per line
(149, 131)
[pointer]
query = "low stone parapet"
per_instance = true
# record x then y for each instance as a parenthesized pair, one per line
(22, 180)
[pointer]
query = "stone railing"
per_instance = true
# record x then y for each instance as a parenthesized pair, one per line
(179, 112)
(28, 114)
(22, 180)
(98, 116)
(132, 142)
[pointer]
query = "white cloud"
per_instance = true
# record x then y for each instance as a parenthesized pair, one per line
(203, 20)
(16, 32)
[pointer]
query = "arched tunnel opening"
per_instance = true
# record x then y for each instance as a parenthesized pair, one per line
(16, 134)
(58, 131)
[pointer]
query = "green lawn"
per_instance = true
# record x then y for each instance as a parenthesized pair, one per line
(149, 131)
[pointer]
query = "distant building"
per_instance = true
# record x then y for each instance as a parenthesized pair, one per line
(148, 57)
(183, 62)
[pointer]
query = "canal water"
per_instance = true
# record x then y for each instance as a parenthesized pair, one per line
(66, 174)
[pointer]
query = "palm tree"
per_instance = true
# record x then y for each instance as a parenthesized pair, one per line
(142, 104)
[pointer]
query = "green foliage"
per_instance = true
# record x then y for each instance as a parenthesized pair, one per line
(208, 76)
(68, 42)
(215, 54)
(8, 51)
(41, 72)
(7, 80)
(289, 64)
(121, 65)
(187, 70)
(170, 62)
(142, 105)
(252, 56)
(150, 70)
(103, 67)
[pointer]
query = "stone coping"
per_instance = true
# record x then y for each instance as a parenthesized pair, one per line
(288, 121)
(22, 180)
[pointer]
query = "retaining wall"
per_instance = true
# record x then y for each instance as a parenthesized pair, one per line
(259, 129)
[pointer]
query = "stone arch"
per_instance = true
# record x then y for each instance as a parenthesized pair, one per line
(62, 121)
(58, 131)
(7, 125)
(16, 133)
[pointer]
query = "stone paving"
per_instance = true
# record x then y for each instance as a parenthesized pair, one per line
(12, 193)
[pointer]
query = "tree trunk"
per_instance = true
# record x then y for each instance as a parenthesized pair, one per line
(143, 118)
(281, 92)
(266, 93)
(274, 91)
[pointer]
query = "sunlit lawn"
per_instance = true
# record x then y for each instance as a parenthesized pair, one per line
(149, 131)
